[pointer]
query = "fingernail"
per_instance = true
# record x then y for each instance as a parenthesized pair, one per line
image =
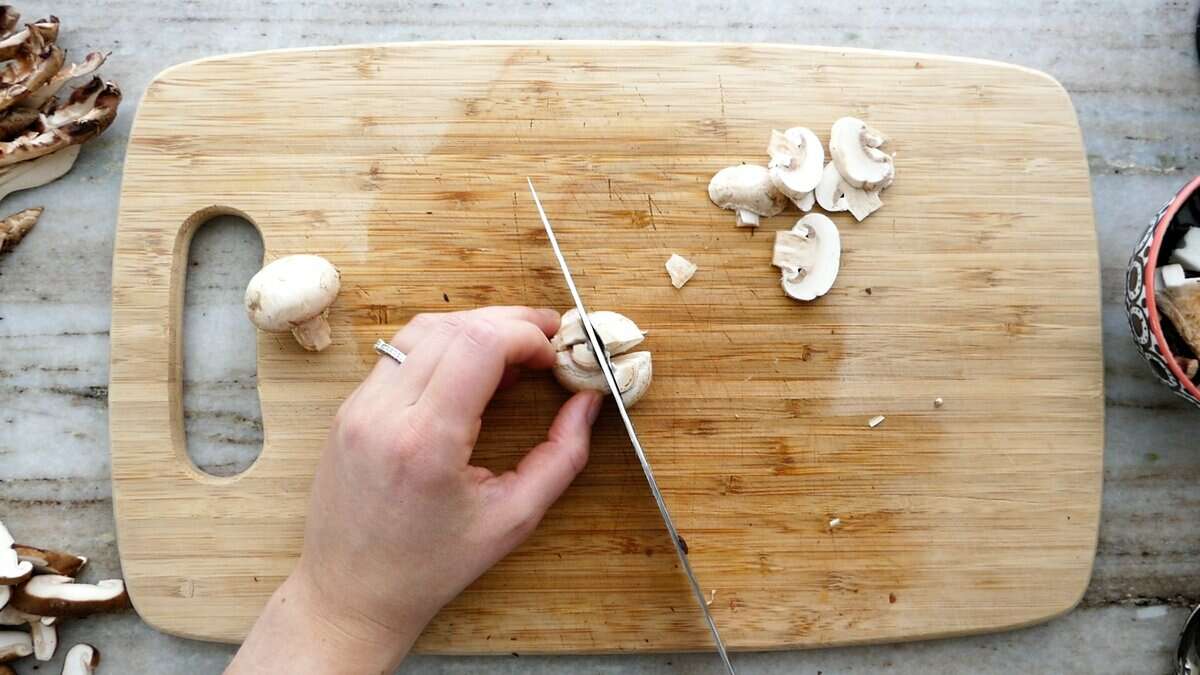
(593, 410)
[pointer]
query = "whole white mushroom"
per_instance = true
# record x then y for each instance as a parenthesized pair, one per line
(294, 293)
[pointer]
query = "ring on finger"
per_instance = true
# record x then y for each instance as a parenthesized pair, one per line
(385, 348)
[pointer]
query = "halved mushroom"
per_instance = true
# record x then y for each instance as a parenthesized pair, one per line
(854, 147)
(14, 645)
(808, 256)
(37, 172)
(33, 66)
(48, 561)
(81, 659)
(90, 64)
(748, 190)
(87, 113)
(12, 570)
(57, 595)
(577, 369)
(12, 230)
(796, 160)
(294, 293)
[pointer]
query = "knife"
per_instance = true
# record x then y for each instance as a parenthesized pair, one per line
(602, 359)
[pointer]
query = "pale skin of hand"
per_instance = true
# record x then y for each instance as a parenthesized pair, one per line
(400, 522)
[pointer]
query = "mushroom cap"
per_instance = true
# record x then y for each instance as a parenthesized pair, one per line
(290, 291)
(830, 193)
(81, 659)
(14, 645)
(808, 256)
(746, 187)
(618, 332)
(854, 148)
(797, 158)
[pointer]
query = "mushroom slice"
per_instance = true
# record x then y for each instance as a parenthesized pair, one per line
(12, 230)
(806, 202)
(45, 639)
(14, 645)
(12, 570)
(40, 96)
(57, 595)
(860, 203)
(680, 270)
(294, 293)
(81, 659)
(831, 192)
(808, 256)
(35, 63)
(854, 147)
(46, 30)
(9, 16)
(85, 115)
(48, 561)
(16, 119)
(577, 369)
(37, 172)
(748, 190)
(796, 160)
(633, 373)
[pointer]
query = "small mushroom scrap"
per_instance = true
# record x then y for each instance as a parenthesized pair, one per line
(795, 167)
(56, 595)
(680, 270)
(15, 227)
(294, 293)
(808, 256)
(748, 190)
(576, 367)
(81, 659)
(13, 570)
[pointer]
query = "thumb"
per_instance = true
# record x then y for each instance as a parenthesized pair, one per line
(546, 471)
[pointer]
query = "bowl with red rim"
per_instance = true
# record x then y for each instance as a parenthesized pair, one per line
(1154, 335)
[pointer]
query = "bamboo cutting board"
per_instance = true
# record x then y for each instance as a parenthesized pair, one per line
(405, 165)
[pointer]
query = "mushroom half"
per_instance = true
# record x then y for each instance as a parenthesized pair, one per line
(854, 147)
(576, 367)
(797, 157)
(294, 293)
(746, 189)
(808, 257)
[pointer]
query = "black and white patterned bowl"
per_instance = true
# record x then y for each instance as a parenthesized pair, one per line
(1154, 337)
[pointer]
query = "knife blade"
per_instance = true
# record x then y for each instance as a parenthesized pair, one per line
(601, 353)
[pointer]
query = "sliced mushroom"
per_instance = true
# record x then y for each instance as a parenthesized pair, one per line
(37, 172)
(16, 119)
(806, 202)
(57, 595)
(14, 227)
(808, 256)
(87, 113)
(680, 269)
(81, 659)
(797, 157)
(861, 203)
(48, 561)
(294, 293)
(12, 570)
(831, 191)
(5, 594)
(748, 190)
(854, 147)
(41, 628)
(90, 64)
(45, 29)
(576, 367)
(9, 16)
(35, 64)
(14, 645)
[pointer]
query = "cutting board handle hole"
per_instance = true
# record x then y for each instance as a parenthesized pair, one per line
(222, 416)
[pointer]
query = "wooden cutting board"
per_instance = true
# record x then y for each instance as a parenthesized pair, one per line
(405, 165)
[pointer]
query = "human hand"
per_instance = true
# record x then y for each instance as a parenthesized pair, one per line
(400, 522)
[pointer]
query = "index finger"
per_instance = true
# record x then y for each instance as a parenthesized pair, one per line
(469, 372)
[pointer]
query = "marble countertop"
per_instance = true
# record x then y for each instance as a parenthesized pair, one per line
(1132, 72)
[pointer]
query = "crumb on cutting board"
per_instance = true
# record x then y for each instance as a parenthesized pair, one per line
(875, 421)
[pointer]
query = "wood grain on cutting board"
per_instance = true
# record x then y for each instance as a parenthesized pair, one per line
(405, 165)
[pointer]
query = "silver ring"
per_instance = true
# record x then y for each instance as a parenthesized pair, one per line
(386, 349)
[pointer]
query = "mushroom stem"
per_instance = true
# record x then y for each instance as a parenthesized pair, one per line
(314, 334)
(747, 218)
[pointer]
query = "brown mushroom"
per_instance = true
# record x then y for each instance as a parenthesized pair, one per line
(46, 29)
(57, 595)
(90, 64)
(15, 227)
(34, 64)
(49, 561)
(85, 115)
(9, 16)
(14, 645)
(16, 119)
(81, 659)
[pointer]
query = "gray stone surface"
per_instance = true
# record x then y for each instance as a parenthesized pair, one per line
(1131, 70)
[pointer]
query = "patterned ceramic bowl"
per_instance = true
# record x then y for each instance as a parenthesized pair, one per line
(1156, 339)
